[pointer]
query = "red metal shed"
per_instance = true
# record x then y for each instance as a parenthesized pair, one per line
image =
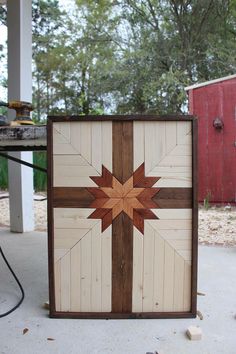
(214, 102)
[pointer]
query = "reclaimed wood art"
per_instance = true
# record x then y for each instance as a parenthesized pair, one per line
(122, 216)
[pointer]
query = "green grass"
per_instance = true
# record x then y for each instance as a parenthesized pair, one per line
(40, 178)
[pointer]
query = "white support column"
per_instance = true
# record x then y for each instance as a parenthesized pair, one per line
(19, 19)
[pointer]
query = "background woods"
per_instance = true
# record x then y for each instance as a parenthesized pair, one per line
(126, 56)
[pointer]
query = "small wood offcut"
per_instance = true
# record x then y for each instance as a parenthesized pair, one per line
(122, 216)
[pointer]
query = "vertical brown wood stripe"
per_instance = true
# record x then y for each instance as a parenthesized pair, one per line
(194, 217)
(50, 221)
(122, 226)
(122, 137)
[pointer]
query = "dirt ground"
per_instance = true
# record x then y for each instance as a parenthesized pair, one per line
(217, 225)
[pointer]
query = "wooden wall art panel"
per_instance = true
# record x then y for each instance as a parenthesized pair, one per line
(122, 216)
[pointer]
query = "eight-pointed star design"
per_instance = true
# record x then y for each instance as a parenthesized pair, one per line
(134, 198)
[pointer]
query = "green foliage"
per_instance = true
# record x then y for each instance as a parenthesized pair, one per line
(3, 173)
(40, 178)
(128, 56)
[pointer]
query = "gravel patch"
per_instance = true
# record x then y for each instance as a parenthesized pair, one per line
(40, 212)
(217, 226)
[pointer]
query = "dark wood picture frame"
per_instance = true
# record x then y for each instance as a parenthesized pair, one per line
(127, 314)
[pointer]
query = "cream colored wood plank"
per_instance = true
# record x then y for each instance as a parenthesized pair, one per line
(175, 224)
(66, 223)
(175, 234)
(73, 213)
(174, 182)
(171, 171)
(75, 135)
(63, 129)
(85, 141)
(172, 214)
(96, 277)
(85, 266)
(58, 138)
(170, 136)
(176, 161)
(183, 129)
(65, 282)
(178, 238)
(61, 139)
(75, 234)
(69, 160)
(148, 268)
(158, 301)
(154, 144)
(71, 219)
(171, 174)
(106, 262)
(64, 149)
(168, 278)
(138, 138)
(75, 278)
(187, 287)
(75, 171)
(67, 238)
(137, 290)
(59, 253)
(57, 280)
(72, 181)
(178, 283)
(181, 150)
(187, 140)
(181, 245)
(107, 145)
(160, 141)
(150, 146)
(184, 139)
(185, 254)
(96, 131)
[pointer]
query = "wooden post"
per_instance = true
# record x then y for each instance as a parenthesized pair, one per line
(19, 21)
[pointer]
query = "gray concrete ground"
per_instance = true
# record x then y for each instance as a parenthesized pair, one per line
(27, 253)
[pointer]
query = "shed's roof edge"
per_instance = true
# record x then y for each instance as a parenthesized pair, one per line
(206, 83)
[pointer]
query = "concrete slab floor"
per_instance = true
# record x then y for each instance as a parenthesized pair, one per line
(27, 253)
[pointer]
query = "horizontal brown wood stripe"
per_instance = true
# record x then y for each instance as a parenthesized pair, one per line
(112, 315)
(71, 197)
(174, 198)
(146, 196)
(134, 117)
